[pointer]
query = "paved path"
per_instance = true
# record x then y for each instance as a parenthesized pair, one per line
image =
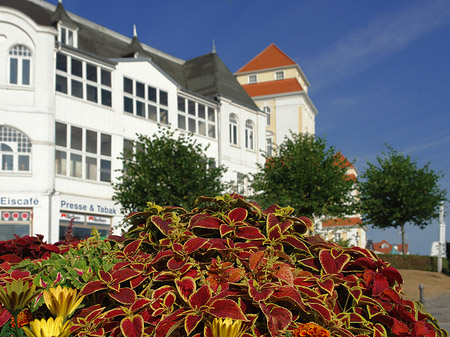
(439, 307)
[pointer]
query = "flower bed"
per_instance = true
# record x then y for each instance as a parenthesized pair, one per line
(224, 268)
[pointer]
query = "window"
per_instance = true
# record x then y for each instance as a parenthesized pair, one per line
(83, 80)
(252, 79)
(269, 146)
(15, 150)
(145, 101)
(82, 153)
(82, 225)
(267, 110)
(249, 135)
(199, 118)
(279, 75)
(20, 65)
(67, 36)
(233, 130)
(15, 221)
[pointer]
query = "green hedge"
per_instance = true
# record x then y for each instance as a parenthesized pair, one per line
(417, 262)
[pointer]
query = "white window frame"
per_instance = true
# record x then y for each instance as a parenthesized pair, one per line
(196, 117)
(249, 135)
(269, 146)
(267, 111)
(68, 36)
(98, 84)
(21, 54)
(20, 146)
(234, 130)
(279, 75)
(252, 78)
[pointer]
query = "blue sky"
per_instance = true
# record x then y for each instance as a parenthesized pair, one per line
(379, 70)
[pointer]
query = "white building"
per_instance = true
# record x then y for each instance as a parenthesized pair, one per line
(72, 95)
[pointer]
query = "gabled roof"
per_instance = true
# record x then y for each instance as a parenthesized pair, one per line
(271, 57)
(133, 49)
(273, 87)
(60, 15)
(340, 222)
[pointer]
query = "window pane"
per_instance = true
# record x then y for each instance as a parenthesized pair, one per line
(91, 93)
(192, 127)
(106, 97)
(26, 72)
(106, 77)
(181, 104)
(75, 165)
(152, 112)
(70, 37)
(211, 115)
(61, 84)
(24, 163)
(77, 89)
(128, 85)
(91, 168)
(140, 108)
(91, 72)
(106, 145)
(63, 35)
(13, 71)
(212, 131)
(61, 62)
(163, 97)
(91, 141)
(76, 140)
(201, 111)
(151, 94)
(7, 162)
(60, 162)
(128, 104)
(163, 116)
(105, 170)
(140, 89)
(127, 148)
(77, 67)
(182, 122)
(202, 128)
(61, 134)
(191, 108)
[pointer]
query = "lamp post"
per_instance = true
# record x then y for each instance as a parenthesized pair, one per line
(441, 237)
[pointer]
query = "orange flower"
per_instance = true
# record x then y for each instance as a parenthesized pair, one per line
(310, 330)
(24, 318)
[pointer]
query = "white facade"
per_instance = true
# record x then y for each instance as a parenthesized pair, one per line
(63, 127)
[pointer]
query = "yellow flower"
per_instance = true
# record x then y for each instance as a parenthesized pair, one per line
(48, 328)
(62, 301)
(17, 295)
(226, 327)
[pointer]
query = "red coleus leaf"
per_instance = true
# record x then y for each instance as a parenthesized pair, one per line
(303, 225)
(132, 247)
(124, 296)
(392, 275)
(333, 261)
(162, 224)
(290, 294)
(139, 304)
(19, 274)
(168, 322)
(200, 297)
(92, 287)
(194, 244)
(327, 285)
(274, 233)
(204, 221)
(162, 291)
(4, 316)
(224, 308)
(191, 321)
(278, 318)
(380, 284)
(296, 243)
(135, 282)
(258, 295)
(11, 258)
(186, 287)
(161, 255)
(255, 260)
(225, 229)
(169, 300)
(132, 326)
(399, 328)
(321, 309)
(175, 263)
(249, 233)
(284, 273)
(113, 313)
(105, 277)
(238, 214)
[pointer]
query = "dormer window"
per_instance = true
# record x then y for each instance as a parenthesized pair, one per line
(252, 79)
(279, 75)
(68, 36)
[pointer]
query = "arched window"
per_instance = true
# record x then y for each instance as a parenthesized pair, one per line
(15, 150)
(233, 130)
(266, 109)
(249, 139)
(19, 65)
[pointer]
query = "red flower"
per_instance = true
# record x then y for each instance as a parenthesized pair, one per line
(310, 330)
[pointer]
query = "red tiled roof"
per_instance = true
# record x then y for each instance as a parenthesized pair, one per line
(272, 87)
(355, 221)
(342, 160)
(271, 57)
(377, 247)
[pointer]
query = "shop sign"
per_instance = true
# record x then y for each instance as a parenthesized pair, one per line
(73, 206)
(7, 201)
(11, 215)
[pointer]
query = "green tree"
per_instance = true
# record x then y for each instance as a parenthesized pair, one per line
(396, 192)
(167, 170)
(308, 176)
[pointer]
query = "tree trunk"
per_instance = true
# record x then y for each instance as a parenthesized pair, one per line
(402, 229)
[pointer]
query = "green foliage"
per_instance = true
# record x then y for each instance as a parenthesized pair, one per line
(167, 170)
(397, 192)
(415, 262)
(308, 176)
